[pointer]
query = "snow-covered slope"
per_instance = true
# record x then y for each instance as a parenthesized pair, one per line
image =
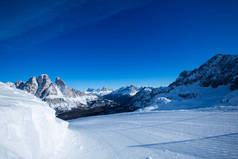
(213, 83)
(200, 134)
(187, 97)
(28, 127)
(29, 130)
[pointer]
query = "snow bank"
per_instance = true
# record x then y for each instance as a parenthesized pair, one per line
(28, 127)
(193, 96)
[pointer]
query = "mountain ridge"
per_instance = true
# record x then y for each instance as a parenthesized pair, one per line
(218, 74)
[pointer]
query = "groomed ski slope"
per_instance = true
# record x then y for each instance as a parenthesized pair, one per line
(29, 130)
(208, 133)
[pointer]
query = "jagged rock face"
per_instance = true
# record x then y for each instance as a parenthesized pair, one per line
(19, 84)
(43, 83)
(51, 90)
(68, 92)
(219, 70)
(31, 85)
(58, 95)
(60, 83)
(206, 86)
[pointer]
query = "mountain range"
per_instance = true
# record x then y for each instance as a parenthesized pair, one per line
(214, 83)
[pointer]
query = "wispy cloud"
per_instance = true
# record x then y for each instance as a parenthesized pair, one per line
(35, 21)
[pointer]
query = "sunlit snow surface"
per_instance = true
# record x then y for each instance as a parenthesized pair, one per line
(29, 130)
(204, 133)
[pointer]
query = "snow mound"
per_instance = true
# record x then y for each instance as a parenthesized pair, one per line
(28, 127)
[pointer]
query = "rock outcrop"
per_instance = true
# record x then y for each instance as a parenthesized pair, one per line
(211, 84)
(219, 70)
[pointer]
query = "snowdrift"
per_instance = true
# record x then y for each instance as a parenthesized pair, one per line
(28, 127)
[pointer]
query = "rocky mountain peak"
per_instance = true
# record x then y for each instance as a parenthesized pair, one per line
(19, 84)
(31, 85)
(43, 83)
(43, 78)
(129, 90)
(59, 82)
(219, 70)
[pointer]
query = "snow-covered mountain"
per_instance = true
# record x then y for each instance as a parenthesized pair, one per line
(58, 95)
(69, 103)
(213, 83)
(219, 70)
(122, 95)
(99, 92)
(129, 91)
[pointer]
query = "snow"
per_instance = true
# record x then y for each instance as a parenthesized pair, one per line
(70, 103)
(193, 96)
(98, 92)
(129, 90)
(28, 127)
(186, 134)
(29, 130)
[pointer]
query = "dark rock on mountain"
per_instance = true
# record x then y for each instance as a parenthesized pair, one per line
(219, 70)
(66, 91)
(187, 95)
(234, 85)
(95, 107)
(122, 95)
(19, 84)
(31, 85)
(43, 83)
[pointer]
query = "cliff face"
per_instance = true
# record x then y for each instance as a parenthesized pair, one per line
(219, 70)
(213, 83)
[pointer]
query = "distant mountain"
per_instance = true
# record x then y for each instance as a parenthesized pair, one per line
(219, 70)
(58, 95)
(122, 95)
(99, 92)
(213, 83)
(69, 103)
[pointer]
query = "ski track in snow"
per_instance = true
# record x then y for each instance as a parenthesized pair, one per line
(159, 135)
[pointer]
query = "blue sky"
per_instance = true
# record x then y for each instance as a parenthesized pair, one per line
(95, 43)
